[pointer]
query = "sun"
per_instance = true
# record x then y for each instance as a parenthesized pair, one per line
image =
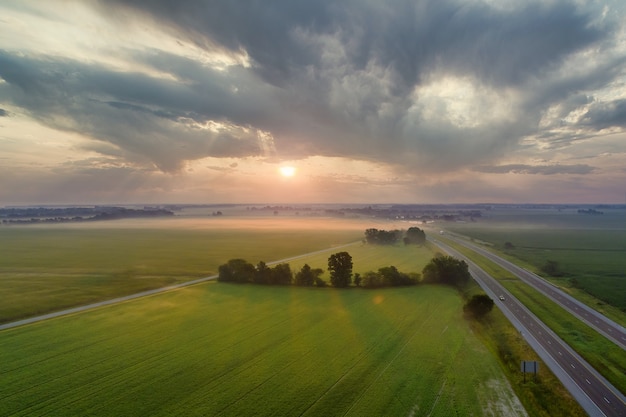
(287, 171)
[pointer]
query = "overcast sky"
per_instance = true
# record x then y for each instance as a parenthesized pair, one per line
(371, 101)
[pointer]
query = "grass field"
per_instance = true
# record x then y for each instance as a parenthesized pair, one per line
(589, 249)
(45, 268)
(220, 349)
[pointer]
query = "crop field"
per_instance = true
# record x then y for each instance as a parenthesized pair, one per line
(589, 249)
(410, 258)
(45, 268)
(223, 349)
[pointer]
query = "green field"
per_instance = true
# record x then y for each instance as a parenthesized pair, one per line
(46, 268)
(220, 349)
(589, 250)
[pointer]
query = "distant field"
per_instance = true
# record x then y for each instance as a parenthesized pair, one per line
(220, 349)
(590, 250)
(46, 268)
(366, 258)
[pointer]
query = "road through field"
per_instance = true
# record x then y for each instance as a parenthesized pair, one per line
(149, 292)
(594, 393)
(592, 318)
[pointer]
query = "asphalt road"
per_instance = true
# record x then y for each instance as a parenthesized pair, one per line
(594, 393)
(592, 318)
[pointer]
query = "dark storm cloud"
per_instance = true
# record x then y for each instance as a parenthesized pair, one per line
(605, 115)
(578, 169)
(3, 113)
(290, 42)
(326, 78)
(499, 46)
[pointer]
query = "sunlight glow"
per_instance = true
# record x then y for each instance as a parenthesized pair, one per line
(287, 171)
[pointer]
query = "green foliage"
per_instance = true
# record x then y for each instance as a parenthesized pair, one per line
(319, 282)
(382, 237)
(446, 270)
(342, 353)
(388, 276)
(263, 274)
(415, 236)
(479, 305)
(236, 270)
(340, 268)
(240, 271)
(305, 277)
(281, 274)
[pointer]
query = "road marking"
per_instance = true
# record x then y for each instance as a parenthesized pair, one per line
(572, 365)
(560, 353)
(607, 400)
(588, 382)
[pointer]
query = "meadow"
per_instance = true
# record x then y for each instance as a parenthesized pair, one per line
(588, 249)
(227, 349)
(46, 268)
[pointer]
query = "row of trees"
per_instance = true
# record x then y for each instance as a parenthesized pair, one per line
(242, 272)
(413, 236)
(440, 269)
(388, 276)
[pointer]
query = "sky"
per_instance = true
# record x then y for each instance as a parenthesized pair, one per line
(368, 101)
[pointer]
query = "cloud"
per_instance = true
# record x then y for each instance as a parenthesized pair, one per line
(605, 115)
(578, 169)
(348, 79)
(419, 87)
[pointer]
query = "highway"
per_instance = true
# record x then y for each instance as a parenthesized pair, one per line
(592, 318)
(594, 393)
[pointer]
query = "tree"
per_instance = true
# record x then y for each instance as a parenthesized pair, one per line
(281, 274)
(306, 276)
(357, 279)
(372, 279)
(415, 236)
(236, 270)
(263, 274)
(340, 268)
(319, 282)
(446, 270)
(390, 276)
(382, 237)
(479, 305)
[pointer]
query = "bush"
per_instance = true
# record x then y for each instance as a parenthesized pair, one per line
(478, 306)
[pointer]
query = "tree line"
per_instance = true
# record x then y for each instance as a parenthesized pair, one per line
(440, 269)
(413, 236)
